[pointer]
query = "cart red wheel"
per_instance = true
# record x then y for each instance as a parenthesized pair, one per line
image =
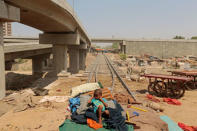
(151, 88)
(156, 88)
(160, 89)
(177, 90)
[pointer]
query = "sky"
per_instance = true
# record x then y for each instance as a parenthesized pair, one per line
(147, 19)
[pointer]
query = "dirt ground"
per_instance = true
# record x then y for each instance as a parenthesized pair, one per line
(48, 116)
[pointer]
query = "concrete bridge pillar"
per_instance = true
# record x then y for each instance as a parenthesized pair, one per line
(82, 59)
(7, 13)
(74, 59)
(60, 43)
(60, 57)
(123, 47)
(2, 64)
(37, 65)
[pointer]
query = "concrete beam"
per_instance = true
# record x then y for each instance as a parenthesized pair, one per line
(106, 40)
(8, 12)
(60, 58)
(74, 59)
(26, 54)
(63, 39)
(2, 64)
(83, 46)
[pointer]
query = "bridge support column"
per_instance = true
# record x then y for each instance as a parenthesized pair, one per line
(60, 43)
(121, 48)
(60, 58)
(2, 64)
(74, 59)
(124, 49)
(7, 13)
(37, 65)
(82, 59)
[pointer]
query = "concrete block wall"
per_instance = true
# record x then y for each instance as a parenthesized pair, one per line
(162, 48)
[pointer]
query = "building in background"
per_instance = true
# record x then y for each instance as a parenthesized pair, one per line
(7, 29)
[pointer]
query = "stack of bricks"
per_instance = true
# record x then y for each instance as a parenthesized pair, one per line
(123, 98)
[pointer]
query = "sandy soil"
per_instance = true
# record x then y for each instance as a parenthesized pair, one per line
(48, 116)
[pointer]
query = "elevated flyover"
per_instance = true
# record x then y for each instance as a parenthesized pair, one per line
(122, 42)
(26, 51)
(50, 16)
(60, 27)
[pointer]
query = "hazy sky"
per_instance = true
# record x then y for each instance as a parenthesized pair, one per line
(132, 18)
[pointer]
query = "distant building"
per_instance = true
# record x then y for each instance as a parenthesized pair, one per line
(7, 29)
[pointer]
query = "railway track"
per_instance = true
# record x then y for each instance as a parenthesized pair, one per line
(102, 67)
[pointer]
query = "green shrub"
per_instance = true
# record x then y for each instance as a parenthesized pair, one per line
(179, 37)
(123, 56)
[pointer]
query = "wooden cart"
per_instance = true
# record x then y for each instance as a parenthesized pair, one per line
(190, 74)
(167, 85)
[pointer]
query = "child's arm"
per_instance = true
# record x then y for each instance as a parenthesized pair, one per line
(90, 100)
(105, 104)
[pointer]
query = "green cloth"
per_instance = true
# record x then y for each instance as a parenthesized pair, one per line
(68, 125)
(172, 126)
(100, 85)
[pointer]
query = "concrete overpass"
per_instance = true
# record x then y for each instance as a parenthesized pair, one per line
(122, 42)
(60, 27)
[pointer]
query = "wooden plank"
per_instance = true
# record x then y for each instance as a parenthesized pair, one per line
(161, 76)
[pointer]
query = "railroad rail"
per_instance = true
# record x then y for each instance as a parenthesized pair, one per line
(113, 71)
(120, 79)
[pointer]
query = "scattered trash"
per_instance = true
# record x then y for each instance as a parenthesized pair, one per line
(58, 90)
(152, 98)
(54, 98)
(22, 101)
(172, 101)
(135, 114)
(40, 91)
(172, 126)
(137, 108)
(186, 127)
(155, 106)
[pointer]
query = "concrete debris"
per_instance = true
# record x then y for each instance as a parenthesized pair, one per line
(40, 91)
(21, 101)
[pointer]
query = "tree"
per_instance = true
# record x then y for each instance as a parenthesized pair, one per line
(194, 37)
(115, 45)
(179, 37)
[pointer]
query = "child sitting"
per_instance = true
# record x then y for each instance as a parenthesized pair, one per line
(99, 104)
